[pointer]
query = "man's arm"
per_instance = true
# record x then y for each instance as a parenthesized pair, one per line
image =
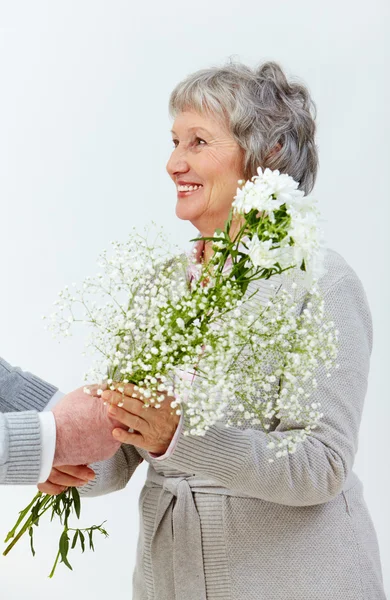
(22, 391)
(22, 394)
(77, 431)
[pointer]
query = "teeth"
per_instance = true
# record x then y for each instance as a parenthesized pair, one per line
(188, 188)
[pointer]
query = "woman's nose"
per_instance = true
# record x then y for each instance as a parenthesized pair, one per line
(177, 163)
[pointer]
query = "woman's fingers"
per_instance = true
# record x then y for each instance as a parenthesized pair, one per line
(125, 437)
(122, 391)
(133, 405)
(117, 397)
(135, 422)
(112, 397)
(125, 388)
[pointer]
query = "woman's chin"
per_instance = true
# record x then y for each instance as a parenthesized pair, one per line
(187, 212)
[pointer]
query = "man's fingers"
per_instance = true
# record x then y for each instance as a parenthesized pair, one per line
(81, 472)
(66, 476)
(64, 479)
(51, 488)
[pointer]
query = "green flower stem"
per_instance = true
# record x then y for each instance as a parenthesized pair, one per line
(62, 505)
(32, 520)
(21, 517)
(55, 564)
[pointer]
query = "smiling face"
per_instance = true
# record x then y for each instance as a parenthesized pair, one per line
(204, 153)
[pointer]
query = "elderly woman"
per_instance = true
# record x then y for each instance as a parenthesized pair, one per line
(217, 520)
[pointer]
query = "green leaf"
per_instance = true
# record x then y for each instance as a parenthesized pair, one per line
(100, 528)
(90, 534)
(82, 541)
(31, 534)
(64, 544)
(36, 507)
(76, 535)
(64, 547)
(76, 500)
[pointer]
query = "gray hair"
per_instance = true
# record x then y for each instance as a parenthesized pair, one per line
(261, 109)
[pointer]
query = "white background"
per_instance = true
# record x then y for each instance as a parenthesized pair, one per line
(84, 140)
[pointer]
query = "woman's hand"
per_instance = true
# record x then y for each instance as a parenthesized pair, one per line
(66, 476)
(153, 427)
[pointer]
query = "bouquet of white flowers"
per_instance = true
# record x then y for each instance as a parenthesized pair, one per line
(157, 325)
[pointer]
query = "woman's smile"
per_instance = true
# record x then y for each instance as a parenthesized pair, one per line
(183, 193)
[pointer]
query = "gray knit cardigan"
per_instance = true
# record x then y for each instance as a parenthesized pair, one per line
(21, 396)
(219, 522)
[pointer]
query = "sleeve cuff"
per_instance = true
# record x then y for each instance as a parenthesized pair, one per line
(220, 454)
(33, 394)
(24, 448)
(48, 437)
(54, 400)
(173, 443)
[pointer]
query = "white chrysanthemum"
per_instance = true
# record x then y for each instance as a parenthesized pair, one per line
(284, 187)
(267, 192)
(255, 195)
(262, 254)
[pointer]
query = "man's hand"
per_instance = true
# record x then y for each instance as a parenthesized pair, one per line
(84, 430)
(63, 477)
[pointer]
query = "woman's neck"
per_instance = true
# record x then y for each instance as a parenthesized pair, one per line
(208, 251)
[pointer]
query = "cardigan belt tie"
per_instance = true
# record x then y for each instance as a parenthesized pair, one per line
(177, 536)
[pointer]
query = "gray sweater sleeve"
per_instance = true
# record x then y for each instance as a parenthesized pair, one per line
(113, 474)
(317, 471)
(21, 396)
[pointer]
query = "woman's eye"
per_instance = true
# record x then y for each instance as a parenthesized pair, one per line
(175, 142)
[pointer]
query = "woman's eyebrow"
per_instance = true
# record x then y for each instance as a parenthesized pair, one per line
(193, 129)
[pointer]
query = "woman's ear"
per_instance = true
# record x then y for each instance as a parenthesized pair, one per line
(274, 150)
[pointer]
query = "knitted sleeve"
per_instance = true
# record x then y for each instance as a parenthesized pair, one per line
(21, 395)
(113, 474)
